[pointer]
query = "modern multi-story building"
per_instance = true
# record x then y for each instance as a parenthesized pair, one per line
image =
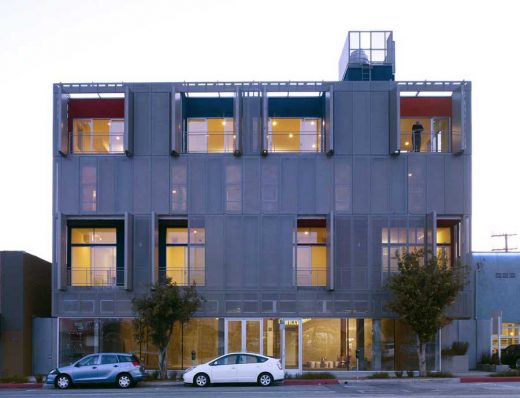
(284, 201)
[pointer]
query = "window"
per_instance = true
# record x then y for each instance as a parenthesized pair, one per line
(88, 361)
(206, 135)
(95, 256)
(426, 134)
(108, 359)
(311, 253)
(396, 240)
(287, 134)
(98, 135)
(227, 360)
(182, 256)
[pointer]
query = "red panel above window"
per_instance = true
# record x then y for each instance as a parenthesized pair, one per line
(425, 106)
(107, 108)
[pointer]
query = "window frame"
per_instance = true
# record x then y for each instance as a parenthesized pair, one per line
(73, 135)
(319, 222)
(320, 136)
(119, 245)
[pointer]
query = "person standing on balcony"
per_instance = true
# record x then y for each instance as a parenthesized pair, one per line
(417, 130)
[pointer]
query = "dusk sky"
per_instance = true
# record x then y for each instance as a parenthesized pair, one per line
(44, 42)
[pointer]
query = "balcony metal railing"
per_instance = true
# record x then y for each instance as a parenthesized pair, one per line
(316, 276)
(438, 141)
(184, 276)
(210, 141)
(294, 141)
(97, 142)
(88, 276)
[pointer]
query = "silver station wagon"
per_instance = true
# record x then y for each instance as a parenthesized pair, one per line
(120, 368)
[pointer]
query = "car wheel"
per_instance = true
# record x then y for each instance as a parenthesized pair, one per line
(124, 380)
(201, 380)
(62, 382)
(265, 379)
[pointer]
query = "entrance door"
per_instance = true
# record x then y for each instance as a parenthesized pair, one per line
(243, 335)
(292, 344)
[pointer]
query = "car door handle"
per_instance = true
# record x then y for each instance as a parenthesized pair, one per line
(94, 367)
(116, 366)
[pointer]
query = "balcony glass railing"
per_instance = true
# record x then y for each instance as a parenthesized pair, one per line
(97, 142)
(316, 276)
(294, 141)
(183, 276)
(87, 276)
(426, 141)
(210, 141)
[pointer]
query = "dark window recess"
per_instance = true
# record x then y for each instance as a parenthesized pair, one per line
(208, 107)
(296, 107)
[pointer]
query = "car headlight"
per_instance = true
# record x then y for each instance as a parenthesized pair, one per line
(54, 372)
(189, 370)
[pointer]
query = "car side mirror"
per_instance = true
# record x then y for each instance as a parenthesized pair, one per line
(213, 363)
(77, 365)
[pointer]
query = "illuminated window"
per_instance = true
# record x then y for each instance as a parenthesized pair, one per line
(397, 240)
(93, 256)
(426, 134)
(183, 255)
(311, 253)
(207, 135)
(98, 135)
(294, 134)
(444, 240)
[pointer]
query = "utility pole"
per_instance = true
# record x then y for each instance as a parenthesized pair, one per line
(506, 248)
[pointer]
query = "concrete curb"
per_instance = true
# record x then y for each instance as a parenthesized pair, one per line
(307, 382)
(489, 379)
(20, 385)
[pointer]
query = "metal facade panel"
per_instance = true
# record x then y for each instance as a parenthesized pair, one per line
(233, 185)
(142, 123)
(196, 185)
(124, 184)
(142, 184)
(380, 123)
(251, 185)
(233, 254)
(361, 122)
(179, 184)
(343, 184)
(342, 252)
(398, 193)
(129, 246)
(215, 185)
(467, 185)
(68, 185)
(237, 110)
(324, 185)
(394, 119)
(329, 121)
(106, 194)
(416, 184)
(289, 186)
(160, 178)
(331, 265)
(128, 139)
(141, 241)
(343, 122)
(270, 186)
(431, 234)
(88, 185)
(275, 246)
(251, 251)
(380, 183)
(454, 188)
(306, 185)
(458, 120)
(61, 125)
(360, 243)
(160, 123)
(435, 197)
(215, 270)
(265, 124)
(177, 123)
(154, 249)
(251, 124)
(361, 187)
(61, 250)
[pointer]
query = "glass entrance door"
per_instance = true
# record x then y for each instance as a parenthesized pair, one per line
(243, 335)
(292, 344)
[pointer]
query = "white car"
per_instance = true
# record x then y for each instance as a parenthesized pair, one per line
(236, 367)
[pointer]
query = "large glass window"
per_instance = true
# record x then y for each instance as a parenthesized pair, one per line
(311, 253)
(184, 253)
(98, 135)
(426, 134)
(93, 256)
(210, 135)
(294, 134)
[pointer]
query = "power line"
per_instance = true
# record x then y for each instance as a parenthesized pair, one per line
(506, 247)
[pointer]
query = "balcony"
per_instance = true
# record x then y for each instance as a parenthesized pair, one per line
(90, 276)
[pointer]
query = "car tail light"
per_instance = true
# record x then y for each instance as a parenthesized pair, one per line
(135, 363)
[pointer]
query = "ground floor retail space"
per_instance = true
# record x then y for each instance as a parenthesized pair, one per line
(310, 344)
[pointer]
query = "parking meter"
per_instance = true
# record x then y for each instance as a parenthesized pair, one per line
(193, 357)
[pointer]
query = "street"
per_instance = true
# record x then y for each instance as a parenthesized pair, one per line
(365, 388)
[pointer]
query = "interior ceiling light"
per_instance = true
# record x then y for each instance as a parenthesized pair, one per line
(275, 122)
(407, 143)
(290, 135)
(223, 123)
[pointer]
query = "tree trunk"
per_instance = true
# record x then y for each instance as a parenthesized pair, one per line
(163, 370)
(421, 354)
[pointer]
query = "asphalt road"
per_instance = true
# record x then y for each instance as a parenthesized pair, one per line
(421, 388)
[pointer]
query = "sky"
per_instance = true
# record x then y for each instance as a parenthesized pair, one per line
(44, 42)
